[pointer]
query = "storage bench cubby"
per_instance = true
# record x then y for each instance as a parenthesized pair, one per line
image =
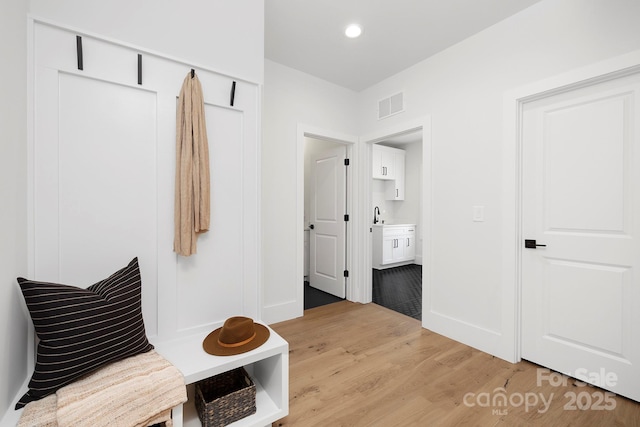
(268, 366)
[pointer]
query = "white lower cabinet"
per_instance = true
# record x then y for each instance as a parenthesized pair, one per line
(393, 245)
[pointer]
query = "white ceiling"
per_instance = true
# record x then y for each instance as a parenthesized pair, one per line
(308, 35)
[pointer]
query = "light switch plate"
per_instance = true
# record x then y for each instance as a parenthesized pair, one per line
(478, 213)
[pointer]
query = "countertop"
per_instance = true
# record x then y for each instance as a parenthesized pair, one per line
(392, 224)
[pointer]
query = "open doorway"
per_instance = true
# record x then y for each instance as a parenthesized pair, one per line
(325, 182)
(324, 207)
(412, 210)
(396, 203)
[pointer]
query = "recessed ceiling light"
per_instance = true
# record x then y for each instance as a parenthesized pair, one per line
(353, 31)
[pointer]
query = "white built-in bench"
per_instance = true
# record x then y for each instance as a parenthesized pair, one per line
(268, 365)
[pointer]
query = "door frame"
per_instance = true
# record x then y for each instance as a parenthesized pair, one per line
(512, 159)
(366, 144)
(308, 131)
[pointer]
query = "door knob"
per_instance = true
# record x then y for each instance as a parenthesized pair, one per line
(311, 226)
(531, 244)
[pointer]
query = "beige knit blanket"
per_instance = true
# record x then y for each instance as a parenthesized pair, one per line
(192, 208)
(135, 392)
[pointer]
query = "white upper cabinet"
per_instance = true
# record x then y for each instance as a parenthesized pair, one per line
(394, 189)
(383, 165)
(388, 164)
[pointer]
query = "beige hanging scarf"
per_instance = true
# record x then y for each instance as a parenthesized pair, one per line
(192, 198)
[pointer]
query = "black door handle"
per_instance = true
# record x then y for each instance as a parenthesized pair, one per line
(311, 226)
(531, 244)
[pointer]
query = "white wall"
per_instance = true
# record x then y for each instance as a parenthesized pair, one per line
(463, 88)
(13, 188)
(379, 198)
(290, 98)
(224, 35)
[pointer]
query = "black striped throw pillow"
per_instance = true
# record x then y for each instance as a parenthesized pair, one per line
(81, 330)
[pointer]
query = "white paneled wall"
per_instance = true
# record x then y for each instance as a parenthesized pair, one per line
(13, 190)
(103, 180)
(106, 186)
(225, 35)
(215, 277)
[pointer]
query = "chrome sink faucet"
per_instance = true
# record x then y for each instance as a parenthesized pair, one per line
(375, 217)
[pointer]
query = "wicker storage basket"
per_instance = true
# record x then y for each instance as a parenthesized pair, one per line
(225, 398)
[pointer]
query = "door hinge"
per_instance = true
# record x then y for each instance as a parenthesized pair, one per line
(346, 162)
(346, 273)
(346, 217)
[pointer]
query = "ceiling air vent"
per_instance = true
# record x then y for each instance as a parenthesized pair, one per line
(390, 106)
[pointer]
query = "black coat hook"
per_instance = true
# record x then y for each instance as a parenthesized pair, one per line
(233, 92)
(79, 51)
(193, 73)
(139, 69)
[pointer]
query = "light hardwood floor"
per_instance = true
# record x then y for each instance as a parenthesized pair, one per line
(365, 365)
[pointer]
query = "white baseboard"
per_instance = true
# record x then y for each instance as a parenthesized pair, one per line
(281, 312)
(11, 417)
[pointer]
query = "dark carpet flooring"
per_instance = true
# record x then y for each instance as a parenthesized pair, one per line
(398, 289)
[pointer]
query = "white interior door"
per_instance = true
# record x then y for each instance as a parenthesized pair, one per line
(327, 225)
(581, 198)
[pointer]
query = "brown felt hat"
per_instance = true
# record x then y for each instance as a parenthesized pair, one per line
(237, 335)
